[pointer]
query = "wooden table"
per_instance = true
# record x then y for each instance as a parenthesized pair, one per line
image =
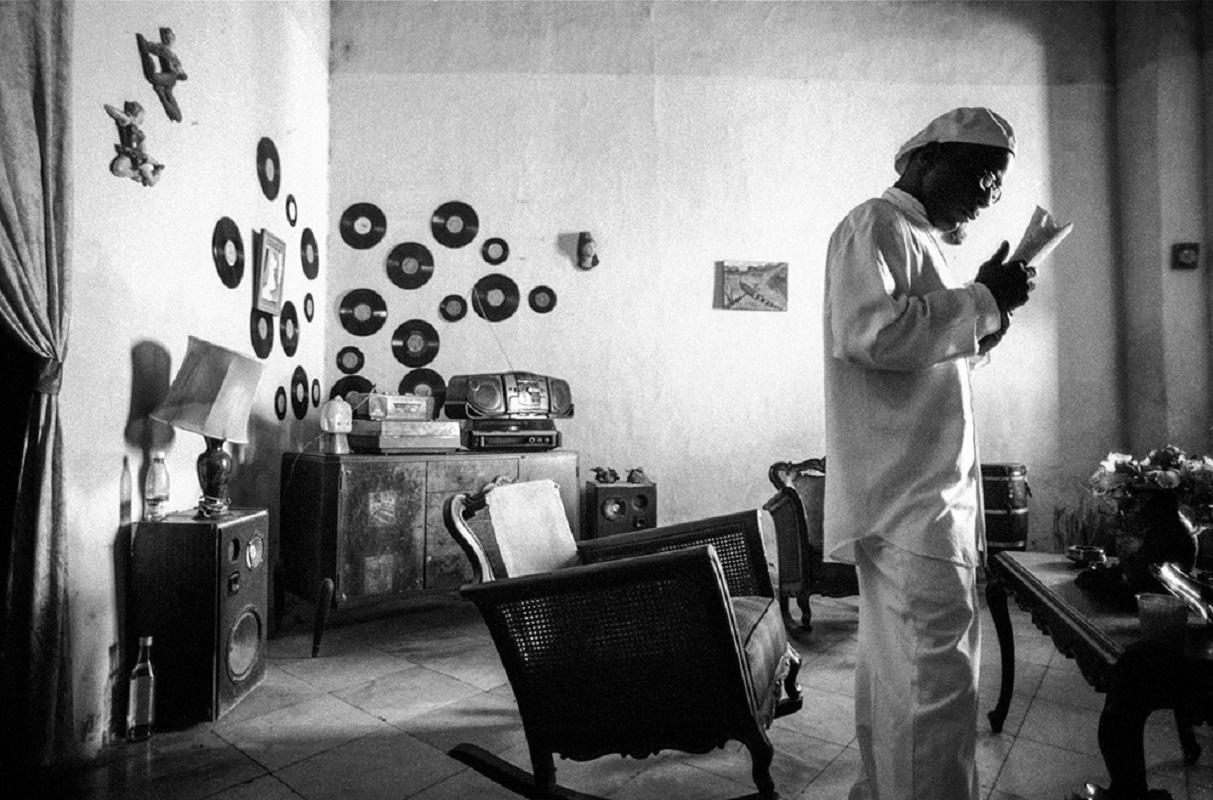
(1139, 676)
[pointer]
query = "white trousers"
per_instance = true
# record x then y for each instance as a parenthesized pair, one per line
(915, 676)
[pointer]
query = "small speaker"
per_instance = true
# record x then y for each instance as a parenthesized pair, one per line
(618, 507)
(561, 398)
(199, 587)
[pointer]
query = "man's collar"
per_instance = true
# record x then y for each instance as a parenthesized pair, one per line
(909, 205)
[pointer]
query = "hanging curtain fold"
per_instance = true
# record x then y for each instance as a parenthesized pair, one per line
(35, 199)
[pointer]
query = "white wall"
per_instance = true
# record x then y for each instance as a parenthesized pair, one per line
(143, 271)
(684, 133)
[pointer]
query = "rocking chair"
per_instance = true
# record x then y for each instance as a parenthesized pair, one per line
(666, 638)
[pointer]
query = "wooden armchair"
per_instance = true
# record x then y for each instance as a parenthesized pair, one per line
(666, 638)
(796, 510)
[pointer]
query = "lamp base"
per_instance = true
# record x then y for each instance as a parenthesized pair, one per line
(214, 471)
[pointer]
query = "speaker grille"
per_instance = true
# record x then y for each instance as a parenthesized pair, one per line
(486, 396)
(244, 644)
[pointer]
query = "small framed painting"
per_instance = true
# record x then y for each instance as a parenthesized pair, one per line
(751, 285)
(271, 268)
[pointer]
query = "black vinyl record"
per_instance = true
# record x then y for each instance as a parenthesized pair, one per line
(269, 170)
(309, 307)
(350, 360)
(494, 250)
(350, 383)
(495, 297)
(261, 331)
(288, 328)
(426, 383)
(362, 312)
(309, 254)
(410, 265)
(315, 392)
(453, 308)
(542, 299)
(292, 210)
(363, 225)
(415, 343)
(299, 396)
(454, 224)
(280, 402)
(227, 249)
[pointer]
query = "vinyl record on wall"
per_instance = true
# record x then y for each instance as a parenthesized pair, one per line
(362, 312)
(280, 402)
(350, 383)
(309, 307)
(494, 250)
(454, 224)
(350, 360)
(495, 297)
(309, 254)
(292, 210)
(288, 328)
(542, 299)
(269, 170)
(315, 393)
(227, 249)
(453, 308)
(415, 343)
(410, 265)
(363, 225)
(261, 331)
(299, 389)
(426, 383)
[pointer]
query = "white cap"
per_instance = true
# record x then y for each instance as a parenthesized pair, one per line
(971, 125)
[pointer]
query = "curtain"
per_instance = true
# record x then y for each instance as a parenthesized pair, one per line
(35, 200)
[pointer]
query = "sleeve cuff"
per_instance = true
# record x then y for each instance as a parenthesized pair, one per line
(989, 320)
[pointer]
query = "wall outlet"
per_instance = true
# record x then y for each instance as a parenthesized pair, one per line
(1185, 255)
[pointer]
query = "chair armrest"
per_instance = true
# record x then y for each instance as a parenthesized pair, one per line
(737, 538)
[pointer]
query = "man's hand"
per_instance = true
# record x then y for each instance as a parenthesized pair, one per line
(1009, 281)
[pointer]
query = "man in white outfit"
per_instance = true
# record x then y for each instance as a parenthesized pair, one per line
(903, 497)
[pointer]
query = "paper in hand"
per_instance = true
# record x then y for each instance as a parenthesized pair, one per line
(1042, 235)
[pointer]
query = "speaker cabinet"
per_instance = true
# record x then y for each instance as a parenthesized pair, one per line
(618, 507)
(199, 587)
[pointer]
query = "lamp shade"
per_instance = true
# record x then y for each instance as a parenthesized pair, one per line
(212, 393)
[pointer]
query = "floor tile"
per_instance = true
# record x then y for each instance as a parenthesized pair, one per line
(380, 766)
(406, 693)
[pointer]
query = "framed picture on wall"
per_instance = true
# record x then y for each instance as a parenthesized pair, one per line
(751, 285)
(271, 268)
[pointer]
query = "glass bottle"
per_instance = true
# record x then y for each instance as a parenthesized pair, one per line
(141, 702)
(124, 492)
(155, 489)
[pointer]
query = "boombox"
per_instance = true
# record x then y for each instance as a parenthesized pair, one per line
(508, 395)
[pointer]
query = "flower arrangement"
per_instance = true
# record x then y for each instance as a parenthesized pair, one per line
(1121, 480)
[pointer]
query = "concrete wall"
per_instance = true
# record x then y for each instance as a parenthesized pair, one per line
(682, 134)
(144, 277)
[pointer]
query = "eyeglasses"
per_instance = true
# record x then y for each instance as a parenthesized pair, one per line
(991, 186)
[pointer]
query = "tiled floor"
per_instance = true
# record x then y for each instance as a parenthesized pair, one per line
(374, 715)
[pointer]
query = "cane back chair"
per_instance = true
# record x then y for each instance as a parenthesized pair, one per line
(666, 638)
(796, 510)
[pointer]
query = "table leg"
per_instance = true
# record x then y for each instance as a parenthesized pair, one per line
(322, 613)
(1147, 677)
(996, 600)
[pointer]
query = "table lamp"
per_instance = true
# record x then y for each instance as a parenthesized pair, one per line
(211, 395)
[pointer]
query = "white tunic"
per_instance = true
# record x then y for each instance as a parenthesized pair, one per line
(900, 329)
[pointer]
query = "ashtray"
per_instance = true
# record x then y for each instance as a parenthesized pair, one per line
(1085, 554)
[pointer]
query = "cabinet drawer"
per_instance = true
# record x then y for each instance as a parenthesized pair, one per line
(468, 475)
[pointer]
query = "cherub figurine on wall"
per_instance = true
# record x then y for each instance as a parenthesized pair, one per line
(162, 69)
(132, 160)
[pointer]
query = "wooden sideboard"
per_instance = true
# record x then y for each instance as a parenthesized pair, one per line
(372, 524)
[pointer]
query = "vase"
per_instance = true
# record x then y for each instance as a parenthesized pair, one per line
(1154, 531)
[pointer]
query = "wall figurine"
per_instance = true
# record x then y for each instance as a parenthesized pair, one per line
(587, 251)
(132, 160)
(162, 69)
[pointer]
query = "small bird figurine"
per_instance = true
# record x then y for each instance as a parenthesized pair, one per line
(605, 475)
(636, 475)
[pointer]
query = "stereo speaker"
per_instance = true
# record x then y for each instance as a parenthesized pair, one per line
(618, 507)
(199, 588)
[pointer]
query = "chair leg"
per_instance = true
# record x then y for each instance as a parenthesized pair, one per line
(806, 611)
(544, 769)
(762, 753)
